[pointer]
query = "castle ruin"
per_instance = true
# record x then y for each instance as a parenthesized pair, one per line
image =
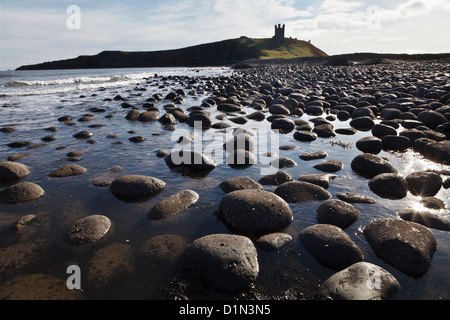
(279, 33)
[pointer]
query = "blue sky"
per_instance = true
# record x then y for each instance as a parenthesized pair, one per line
(34, 31)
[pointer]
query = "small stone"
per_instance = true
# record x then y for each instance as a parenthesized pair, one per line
(369, 165)
(25, 221)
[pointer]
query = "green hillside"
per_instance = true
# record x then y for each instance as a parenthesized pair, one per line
(291, 49)
(212, 54)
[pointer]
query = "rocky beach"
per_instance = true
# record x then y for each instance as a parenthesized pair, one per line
(298, 180)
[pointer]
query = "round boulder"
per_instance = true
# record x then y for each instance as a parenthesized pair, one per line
(396, 143)
(254, 211)
(424, 184)
(283, 125)
(305, 136)
(405, 245)
(330, 246)
(369, 145)
(337, 213)
(21, 192)
(389, 186)
(300, 191)
(361, 281)
(88, 230)
(228, 262)
(135, 186)
(369, 165)
(13, 171)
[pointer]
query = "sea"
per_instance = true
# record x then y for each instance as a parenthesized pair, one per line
(31, 102)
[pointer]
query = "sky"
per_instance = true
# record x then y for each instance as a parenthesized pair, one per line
(34, 31)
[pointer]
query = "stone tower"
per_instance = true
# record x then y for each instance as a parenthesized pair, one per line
(279, 33)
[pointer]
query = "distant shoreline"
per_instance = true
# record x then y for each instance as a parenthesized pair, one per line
(353, 57)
